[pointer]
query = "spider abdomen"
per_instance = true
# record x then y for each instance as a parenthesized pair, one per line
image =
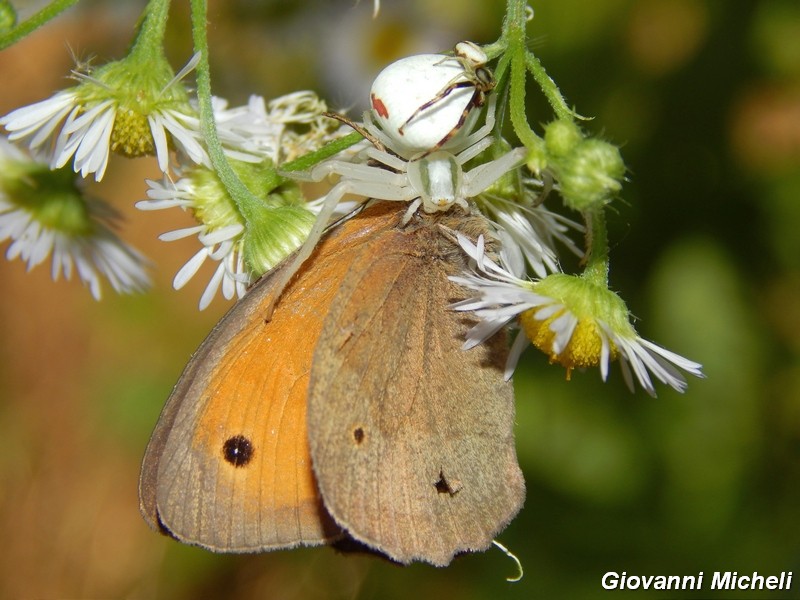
(409, 83)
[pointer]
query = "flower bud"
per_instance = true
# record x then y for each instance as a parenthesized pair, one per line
(561, 137)
(590, 175)
(8, 16)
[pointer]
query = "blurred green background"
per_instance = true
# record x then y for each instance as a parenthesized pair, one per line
(703, 96)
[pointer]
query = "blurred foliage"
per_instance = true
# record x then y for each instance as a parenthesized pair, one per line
(704, 97)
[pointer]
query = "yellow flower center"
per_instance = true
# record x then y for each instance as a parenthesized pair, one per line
(582, 350)
(131, 135)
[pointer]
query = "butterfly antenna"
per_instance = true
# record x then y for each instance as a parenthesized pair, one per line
(513, 557)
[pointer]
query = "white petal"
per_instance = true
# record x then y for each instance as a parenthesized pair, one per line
(179, 234)
(33, 114)
(187, 271)
(520, 343)
(212, 287)
(563, 326)
(159, 142)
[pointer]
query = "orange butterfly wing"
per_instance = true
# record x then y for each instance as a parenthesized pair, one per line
(228, 466)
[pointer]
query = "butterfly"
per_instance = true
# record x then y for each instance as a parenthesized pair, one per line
(353, 413)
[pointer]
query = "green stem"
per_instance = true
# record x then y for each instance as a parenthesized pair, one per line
(50, 11)
(596, 269)
(516, 19)
(517, 108)
(550, 89)
(502, 91)
(501, 72)
(152, 25)
(514, 32)
(495, 49)
(245, 201)
(309, 160)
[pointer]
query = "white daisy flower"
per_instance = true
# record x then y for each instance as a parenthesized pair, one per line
(63, 224)
(304, 109)
(303, 106)
(242, 250)
(255, 137)
(132, 109)
(575, 322)
(248, 132)
(257, 130)
(221, 238)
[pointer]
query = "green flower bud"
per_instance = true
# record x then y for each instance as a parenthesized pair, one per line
(50, 196)
(274, 227)
(8, 16)
(139, 89)
(537, 160)
(561, 137)
(277, 231)
(591, 174)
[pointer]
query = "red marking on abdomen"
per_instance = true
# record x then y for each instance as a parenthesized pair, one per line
(379, 107)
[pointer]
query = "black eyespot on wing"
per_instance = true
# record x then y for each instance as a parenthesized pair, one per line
(359, 435)
(238, 450)
(445, 486)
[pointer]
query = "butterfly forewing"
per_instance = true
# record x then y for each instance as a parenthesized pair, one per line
(228, 465)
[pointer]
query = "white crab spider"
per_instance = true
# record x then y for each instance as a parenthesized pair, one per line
(434, 180)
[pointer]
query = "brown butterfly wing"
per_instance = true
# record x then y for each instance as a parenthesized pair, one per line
(412, 436)
(228, 465)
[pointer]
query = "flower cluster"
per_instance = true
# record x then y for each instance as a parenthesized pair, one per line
(134, 110)
(429, 139)
(120, 108)
(260, 135)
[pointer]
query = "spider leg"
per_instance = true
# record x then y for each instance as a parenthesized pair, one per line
(358, 174)
(448, 89)
(355, 126)
(390, 160)
(355, 171)
(376, 131)
(475, 101)
(482, 176)
(476, 136)
(384, 190)
(474, 150)
(411, 210)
